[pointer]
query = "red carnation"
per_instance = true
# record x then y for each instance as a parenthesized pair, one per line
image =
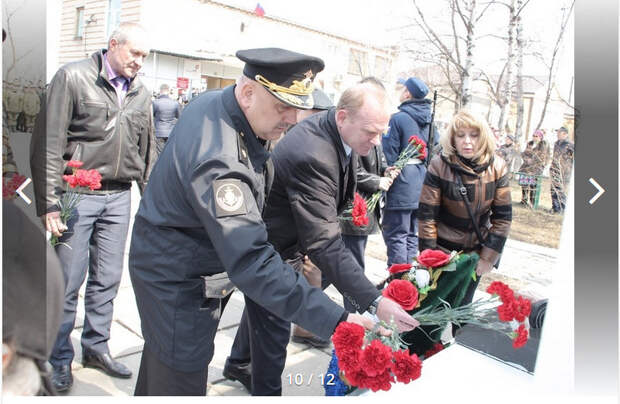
(382, 381)
(361, 379)
(415, 140)
(376, 358)
(398, 268)
(433, 258)
(94, 180)
(355, 377)
(71, 180)
(359, 212)
(432, 351)
(423, 153)
(75, 164)
(521, 338)
(506, 311)
(402, 292)
(502, 290)
(522, 308)
(406, 367)
(348, 336)
(349, 359)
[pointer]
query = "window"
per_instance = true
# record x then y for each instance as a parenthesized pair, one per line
(382, 67)
(114, 16)
(79, 26)
(358, 62)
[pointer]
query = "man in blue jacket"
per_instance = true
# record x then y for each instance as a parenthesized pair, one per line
(399, 220)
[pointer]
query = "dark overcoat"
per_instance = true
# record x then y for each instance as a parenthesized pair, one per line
(314, 180)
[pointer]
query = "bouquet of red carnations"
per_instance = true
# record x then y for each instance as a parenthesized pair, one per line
(90, 179)
(410, 281)
(366, 359)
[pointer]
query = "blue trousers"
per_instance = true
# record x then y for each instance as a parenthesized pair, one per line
(400, 235)
(94, 244)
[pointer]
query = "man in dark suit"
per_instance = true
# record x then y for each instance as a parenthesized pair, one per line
(315, 165)
(166, 112)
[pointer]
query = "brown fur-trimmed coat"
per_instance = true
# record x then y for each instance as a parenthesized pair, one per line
(443, 219)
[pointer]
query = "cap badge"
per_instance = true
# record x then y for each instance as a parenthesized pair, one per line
(303, 87)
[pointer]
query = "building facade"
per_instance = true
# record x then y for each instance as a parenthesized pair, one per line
(194, 42)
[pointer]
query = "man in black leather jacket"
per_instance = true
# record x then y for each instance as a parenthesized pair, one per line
(99, 113)
(199, 231)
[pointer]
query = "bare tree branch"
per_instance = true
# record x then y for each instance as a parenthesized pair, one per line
(550, 78)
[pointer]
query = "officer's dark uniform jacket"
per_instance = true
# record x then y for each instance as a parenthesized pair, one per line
(83, 121)
(182, 232)
(313, 183)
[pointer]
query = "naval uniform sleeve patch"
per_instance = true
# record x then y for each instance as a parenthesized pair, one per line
(229, 199)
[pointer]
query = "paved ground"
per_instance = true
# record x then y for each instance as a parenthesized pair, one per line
(526, 266)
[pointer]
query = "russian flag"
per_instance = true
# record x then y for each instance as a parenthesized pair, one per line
(259, 10)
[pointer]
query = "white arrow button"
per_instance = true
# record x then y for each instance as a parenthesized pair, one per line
(600, 192)
(19, 190)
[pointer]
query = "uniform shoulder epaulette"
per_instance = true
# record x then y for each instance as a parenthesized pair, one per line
(242, 149)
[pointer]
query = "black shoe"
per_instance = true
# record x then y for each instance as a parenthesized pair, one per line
(240, 373)
(105, 362)
(311, 340)
(62, 379)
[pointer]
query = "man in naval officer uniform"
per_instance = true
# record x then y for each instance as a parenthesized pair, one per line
(199, 226)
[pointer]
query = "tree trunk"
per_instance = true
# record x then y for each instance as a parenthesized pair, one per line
(520, 108)
(469, 58)
(507, 93)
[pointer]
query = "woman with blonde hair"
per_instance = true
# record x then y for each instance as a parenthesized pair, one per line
(465, 203)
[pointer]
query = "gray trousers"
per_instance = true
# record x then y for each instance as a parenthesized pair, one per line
(160, 142)
(94, 244)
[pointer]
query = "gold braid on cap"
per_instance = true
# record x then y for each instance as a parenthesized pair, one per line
(303, 87)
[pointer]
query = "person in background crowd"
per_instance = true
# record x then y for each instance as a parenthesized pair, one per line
(467, 157)
(199, 232)
(9, 167)
(508, 151)
(166, 112)
(560, 170)
(535, 158)
(98, 112)
(399, 219)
